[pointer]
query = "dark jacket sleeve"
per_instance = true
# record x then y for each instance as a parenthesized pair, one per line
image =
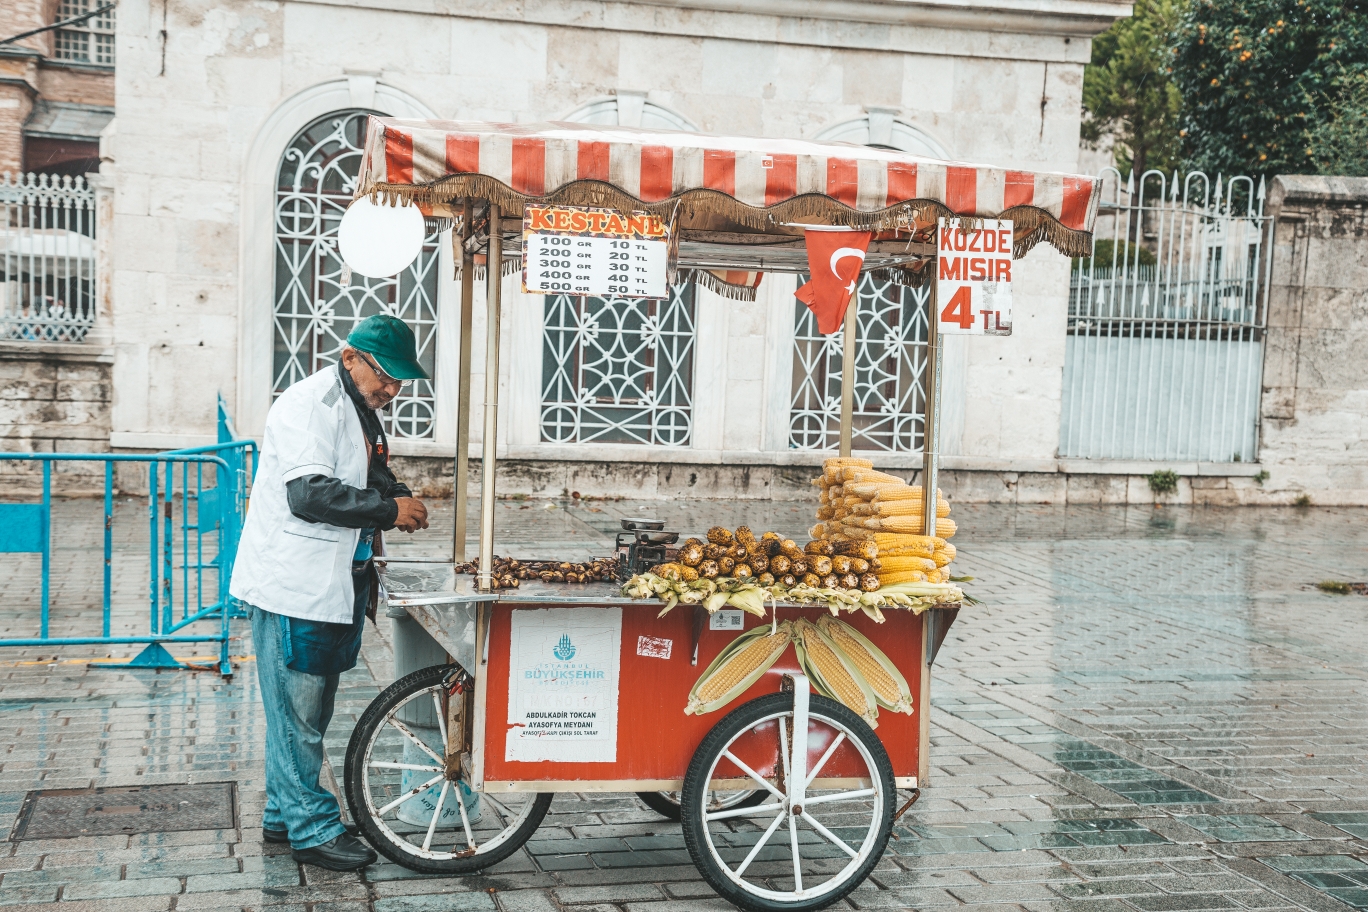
(324, 499)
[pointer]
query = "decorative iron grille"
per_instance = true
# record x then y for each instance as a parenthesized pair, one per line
(890, 359)
(619, 370)
(314, 309)
(47, 258)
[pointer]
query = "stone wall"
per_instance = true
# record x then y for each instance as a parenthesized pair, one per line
(1314, 418)
(54, 397)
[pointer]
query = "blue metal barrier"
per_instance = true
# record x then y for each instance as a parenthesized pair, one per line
(206, 538)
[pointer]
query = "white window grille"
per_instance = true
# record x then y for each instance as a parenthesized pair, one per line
(91, 41)
(890, 360)
(47, 258)
(619, 370)
(314, 310)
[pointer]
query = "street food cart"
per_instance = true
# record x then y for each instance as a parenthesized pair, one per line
(787, 798)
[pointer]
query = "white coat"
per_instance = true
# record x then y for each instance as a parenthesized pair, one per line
(284, 564)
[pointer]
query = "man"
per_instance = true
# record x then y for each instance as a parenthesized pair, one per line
(322, 494)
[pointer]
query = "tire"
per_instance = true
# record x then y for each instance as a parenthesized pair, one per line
(380, 737)
(761, 884)
(666, 804)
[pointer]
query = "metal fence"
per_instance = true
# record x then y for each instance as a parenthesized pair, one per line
(196, 503)
(1164, 354)
(47, 258)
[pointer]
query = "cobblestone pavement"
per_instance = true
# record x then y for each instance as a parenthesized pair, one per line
(1151, 710)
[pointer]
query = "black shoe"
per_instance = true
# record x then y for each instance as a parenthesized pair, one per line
(344, 853)
(283, 836)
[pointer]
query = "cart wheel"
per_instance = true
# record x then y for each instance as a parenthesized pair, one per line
(833, 840)
(666, 804)
(405, 805)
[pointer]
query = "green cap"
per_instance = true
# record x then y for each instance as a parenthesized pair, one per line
(389, 341)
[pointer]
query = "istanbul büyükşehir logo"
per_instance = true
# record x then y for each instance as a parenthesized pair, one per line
(565, 650)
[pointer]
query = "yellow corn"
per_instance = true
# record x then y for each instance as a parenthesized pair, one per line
(904, 492)
(871, 663)
(895, 564)
(891, 540)
(943, 556)
(818, 531)
(912, 507)
(738, 666)
(836, 492)
(837, 461)
(879, 489)
(825, 512)
(938, 576)
(904, 576)
(859, 474)
(830, 674)
(909, 525)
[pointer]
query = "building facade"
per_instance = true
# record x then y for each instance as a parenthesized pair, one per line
(238, 138)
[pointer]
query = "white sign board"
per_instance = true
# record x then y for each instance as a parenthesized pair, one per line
(600, 252)
(974, 277)
(563, 685)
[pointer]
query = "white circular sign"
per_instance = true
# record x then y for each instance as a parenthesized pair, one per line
(379, 241)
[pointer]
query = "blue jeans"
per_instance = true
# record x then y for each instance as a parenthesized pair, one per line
(299, 707)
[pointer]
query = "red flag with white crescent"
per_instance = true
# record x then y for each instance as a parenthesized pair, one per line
(834, 261)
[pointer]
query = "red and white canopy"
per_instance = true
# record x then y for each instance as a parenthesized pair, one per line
(753, 181)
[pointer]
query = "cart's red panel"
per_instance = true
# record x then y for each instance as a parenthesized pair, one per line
(656, 740)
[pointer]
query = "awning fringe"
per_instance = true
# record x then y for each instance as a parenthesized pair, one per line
(1032, 224)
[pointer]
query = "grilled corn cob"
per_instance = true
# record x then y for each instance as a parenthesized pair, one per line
(831, 674)
(739, 665)
(885, 681)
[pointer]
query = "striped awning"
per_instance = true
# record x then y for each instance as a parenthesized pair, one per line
(751, 181)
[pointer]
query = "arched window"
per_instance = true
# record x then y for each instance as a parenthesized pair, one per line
(631, 109)
(890, 337)
(880, 128)
(314, 310)
(620, 370)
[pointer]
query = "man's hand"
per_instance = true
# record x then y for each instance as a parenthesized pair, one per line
(412, 514)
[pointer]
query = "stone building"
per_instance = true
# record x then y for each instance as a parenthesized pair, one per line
(56, 99)
(237, 143)
(237, 137)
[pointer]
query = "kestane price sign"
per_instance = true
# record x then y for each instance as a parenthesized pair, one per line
(599, 252)
(974, 276)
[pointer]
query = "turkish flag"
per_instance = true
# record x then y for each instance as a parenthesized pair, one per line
(834, 261)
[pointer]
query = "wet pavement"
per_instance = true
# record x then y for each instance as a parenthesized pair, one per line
(1150, 710)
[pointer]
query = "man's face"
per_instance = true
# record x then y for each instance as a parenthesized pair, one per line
(376, 392)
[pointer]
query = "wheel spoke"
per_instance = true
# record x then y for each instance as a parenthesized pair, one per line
(465, 821)
(797, 858)
(441, 717)
(436, 814)
(409, 794)
(840, 796)
(760, 843)
(825, 757)
(753, 774)
(392, 720)
(390, 765)
(837, 840)
(743, 812)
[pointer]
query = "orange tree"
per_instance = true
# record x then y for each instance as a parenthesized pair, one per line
(1260, 78)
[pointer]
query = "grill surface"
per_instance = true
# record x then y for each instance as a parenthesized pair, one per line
(62, 813)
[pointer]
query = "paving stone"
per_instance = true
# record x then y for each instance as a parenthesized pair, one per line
(1096, 726)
